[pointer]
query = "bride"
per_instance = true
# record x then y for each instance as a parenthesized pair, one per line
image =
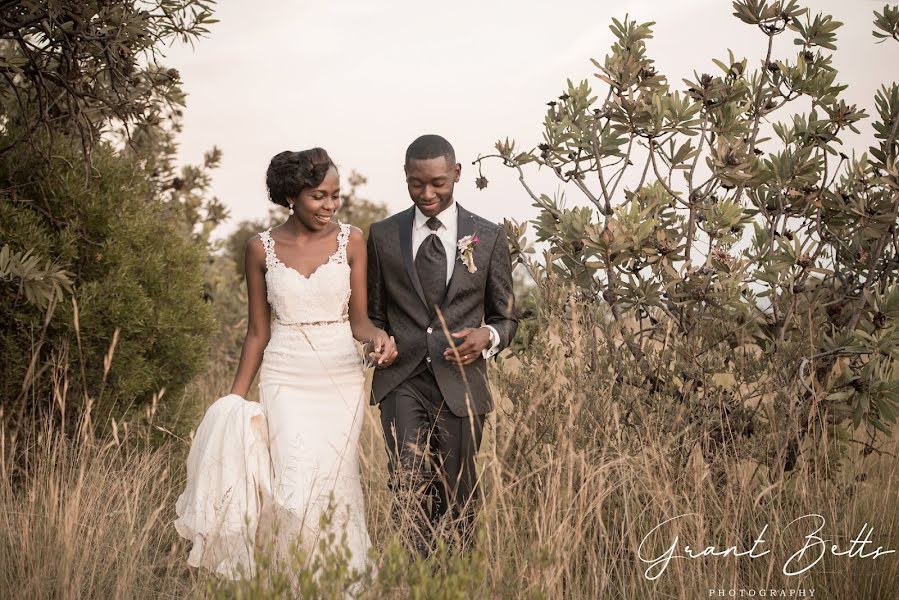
(274, 466)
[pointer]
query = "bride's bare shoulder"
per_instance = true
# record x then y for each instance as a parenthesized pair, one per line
(356, 234)
(255, 250)
(355, 241)
(255, 244)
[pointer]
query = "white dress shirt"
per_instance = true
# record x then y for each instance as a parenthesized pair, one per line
(448, 234)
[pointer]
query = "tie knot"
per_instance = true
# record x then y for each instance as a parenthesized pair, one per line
(433, 223)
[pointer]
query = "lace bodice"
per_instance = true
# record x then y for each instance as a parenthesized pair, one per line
(322, 297)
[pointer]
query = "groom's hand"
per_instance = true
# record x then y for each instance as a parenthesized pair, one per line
(384, 349)
(473, 342)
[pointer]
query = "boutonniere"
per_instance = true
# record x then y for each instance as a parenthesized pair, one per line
(466, 247)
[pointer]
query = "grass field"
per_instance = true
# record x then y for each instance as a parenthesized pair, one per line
(569, 496)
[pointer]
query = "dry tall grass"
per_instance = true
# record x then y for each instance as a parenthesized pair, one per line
(577, 470)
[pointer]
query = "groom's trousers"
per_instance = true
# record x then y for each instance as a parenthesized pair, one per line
(432, 455)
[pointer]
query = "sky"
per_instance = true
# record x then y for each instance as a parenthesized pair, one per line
(363, 79)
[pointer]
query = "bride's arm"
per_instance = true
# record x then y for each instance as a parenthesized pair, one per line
(363, 329)
(258, 321)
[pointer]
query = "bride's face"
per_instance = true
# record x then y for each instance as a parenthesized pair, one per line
(316, 206)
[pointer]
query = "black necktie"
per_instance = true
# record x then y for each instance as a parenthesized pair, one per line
(430, 263)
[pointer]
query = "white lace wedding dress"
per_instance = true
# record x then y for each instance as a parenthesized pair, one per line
(311, 393)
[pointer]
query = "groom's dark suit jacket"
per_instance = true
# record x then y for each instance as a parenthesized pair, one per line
(396, 303)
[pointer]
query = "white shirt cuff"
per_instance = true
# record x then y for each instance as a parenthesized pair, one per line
(494, 341)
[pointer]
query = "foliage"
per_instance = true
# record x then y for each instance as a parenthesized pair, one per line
(186, 191)
(136, 321)
(707, 232)
(887, 22)
(107, 238)
(84, 67)
(91, 71)
(40, 286)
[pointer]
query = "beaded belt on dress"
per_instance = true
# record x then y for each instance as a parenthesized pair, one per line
(312, 323)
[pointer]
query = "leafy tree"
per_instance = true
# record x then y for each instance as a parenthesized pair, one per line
(89, 69)
(185, 190)
(85, 67)
(106, 239)
(714, 225)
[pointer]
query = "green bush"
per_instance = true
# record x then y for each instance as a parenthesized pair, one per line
(132, 272)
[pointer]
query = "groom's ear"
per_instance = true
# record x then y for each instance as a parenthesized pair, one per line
(458, 170)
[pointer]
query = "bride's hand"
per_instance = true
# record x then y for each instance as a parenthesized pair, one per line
(384, 349)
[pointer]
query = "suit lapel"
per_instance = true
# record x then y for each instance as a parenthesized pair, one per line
(405, 226)
(465, 226)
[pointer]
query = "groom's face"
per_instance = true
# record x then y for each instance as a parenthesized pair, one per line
(431, 183)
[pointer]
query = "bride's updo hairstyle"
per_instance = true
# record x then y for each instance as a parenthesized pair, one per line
(289, 173)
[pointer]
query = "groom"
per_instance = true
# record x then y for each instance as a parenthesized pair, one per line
(434, 399)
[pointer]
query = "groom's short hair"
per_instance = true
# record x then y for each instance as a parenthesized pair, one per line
(430, 146)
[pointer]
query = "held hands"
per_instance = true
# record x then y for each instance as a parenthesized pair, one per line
(473, 342)
(383, 349)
